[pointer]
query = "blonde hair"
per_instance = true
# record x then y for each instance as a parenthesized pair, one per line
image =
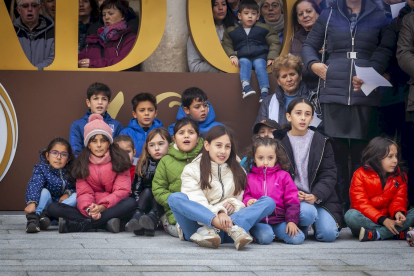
(288, 62)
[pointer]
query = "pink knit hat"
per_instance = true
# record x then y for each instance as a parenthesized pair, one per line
(97, 126)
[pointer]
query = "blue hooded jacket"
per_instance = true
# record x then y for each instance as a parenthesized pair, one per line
(55, 181)
(204, 126)
(77, 131)
(135, 131)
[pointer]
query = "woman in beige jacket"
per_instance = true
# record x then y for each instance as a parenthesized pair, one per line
(211, 195)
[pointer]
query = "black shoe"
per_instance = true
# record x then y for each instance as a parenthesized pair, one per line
(113, 225)
(133, 224)
(139, 232)
(367, 235)
(149, 232)
(33, 225)
(78, 225)
(149, 221)
(44, 221)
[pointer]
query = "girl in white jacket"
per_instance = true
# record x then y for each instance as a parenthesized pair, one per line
(211, 196)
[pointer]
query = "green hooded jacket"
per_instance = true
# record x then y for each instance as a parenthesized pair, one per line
(167, 179)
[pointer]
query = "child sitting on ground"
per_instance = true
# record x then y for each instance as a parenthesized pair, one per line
(126, 143)
(252, 45)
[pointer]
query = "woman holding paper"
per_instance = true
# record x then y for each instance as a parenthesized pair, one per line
(355, 35)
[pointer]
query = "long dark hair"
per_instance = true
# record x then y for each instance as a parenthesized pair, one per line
(239, 176)
(267, 142)
(377, 149)
(295, 21)
(95, 10)
(71, 159)
(292, 105)
(119, 159)
(230, 18)
(186, 121)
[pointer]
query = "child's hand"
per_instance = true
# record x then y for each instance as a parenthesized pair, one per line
(84, 63)
(251, 201)
(225, 221)
(64, 197)
(96, 216)
(301, 196)
(94, 209)
(229, 208)
(310, 198)
(390, 224)
(292, 229)
(270, 62)
(400, 219)
(235, 61)
(30, 208)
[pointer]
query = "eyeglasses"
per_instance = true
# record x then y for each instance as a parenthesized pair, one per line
(55, 154)
(274, 6)
(27, 5)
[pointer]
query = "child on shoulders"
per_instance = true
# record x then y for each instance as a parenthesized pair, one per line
(98, 98)
(144, 110)
(196, 107)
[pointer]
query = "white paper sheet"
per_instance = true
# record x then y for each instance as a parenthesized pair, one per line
(395, 9)
(371, 78)
(316, 121)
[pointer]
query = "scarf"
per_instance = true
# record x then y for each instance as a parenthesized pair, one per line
(106, 158)
(278, 25)
(107, 33)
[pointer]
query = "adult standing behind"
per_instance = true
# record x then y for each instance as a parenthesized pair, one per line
(234, 6)
(355, 36)
(288, 72)
(88, 14)
(111, 43)
(49, 7)
(223, 18)
(36, 33)
(304, 15)
(272, 12)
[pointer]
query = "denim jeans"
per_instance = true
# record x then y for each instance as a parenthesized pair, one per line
(265, 233)
(259, 65)
(324, 224)
(188, 213)
(355, 220)
(46, 199)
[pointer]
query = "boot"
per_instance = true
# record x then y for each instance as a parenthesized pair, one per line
(44, 221)
(77, 225)
(133, 224)
(149, 222)
(139, 232)
(33, 225)
(113, 225)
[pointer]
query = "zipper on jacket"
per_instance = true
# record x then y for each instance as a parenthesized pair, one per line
(265, 190)
(221, 182)
(64, 183)
(320, 161)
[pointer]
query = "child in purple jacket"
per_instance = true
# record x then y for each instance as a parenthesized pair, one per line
(269, 177)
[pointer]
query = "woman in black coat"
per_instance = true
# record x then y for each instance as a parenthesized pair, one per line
(356, 35)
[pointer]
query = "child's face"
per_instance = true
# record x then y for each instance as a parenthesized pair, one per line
(145, 113)
(197, 111)
(300, 118)
(186, 138)
(98, 145)
(248, 17)
(265, 131)
(126, 146)
(158, 147)
(265, 156)
(98, 104)
(219, 149)
(389, 162)
(58, 156)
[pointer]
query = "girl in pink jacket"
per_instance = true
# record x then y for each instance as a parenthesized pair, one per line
(269, 177)
(103, 184)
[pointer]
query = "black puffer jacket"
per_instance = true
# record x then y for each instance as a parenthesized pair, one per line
(140, 183)
(321, 171)
(371, 42)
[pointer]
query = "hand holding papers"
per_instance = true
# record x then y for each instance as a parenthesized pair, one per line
(371, 78)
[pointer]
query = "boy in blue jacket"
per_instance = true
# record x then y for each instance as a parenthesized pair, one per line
(98, 99)
(194, 105)
(144, 110)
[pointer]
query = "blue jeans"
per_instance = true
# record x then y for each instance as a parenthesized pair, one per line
(324, 224)
(188, 213)
(46, 199)
(265, 233)
(259, 65)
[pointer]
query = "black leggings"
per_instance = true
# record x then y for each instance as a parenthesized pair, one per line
(122, 209)
(147, 202)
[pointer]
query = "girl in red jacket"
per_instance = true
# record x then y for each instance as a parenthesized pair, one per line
(269, 177)
(379, 194)
(103, 183)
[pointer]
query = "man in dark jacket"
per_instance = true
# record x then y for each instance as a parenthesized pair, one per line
(36, 33)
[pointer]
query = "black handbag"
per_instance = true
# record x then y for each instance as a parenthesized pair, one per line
(314, 94)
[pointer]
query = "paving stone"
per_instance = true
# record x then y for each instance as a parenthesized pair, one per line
(164, 268)
(391, 272)
(84, 274)
(66, 262)
(15, 273)
(276, 262)
(55, 269)
(199, 274)
(183, 262)
(299, 268)
(316, 273)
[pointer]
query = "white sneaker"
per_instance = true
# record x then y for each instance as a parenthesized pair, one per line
(241, 238)
(206, 237)
(180, 232)
(171, 229)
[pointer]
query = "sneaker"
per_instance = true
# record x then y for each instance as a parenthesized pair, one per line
(44, 222)
(139, 232)
(367, 235)
(401, 236)
(241, 238)
(180, 232)
(263, 95)
(113, 225)
(248, 91)
(164, 222)
(206, 237)
(172, 230)
(33, 224)
(78, 225)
